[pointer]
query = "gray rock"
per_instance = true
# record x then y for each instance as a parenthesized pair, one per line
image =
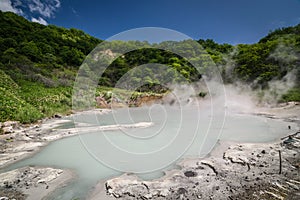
(239, 173)
(9, 126)
(13, 124)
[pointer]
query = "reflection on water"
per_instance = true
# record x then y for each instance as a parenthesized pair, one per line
(175, 132)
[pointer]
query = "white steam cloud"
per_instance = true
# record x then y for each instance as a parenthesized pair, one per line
(277, 88)
(284, 53)
(286, 57)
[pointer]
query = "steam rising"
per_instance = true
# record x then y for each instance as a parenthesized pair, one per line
(239, 93)
(277, 88)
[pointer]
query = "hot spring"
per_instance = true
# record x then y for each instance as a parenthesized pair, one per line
(176, 132)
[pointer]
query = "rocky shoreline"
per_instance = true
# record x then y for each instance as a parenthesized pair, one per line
(32, 182)
(19, 142)
(233, 171)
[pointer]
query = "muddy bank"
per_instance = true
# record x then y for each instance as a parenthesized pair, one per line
(141, 100)
(287, 111)
(32, 182)
(233, 171)
(19, 141)
(25, 140)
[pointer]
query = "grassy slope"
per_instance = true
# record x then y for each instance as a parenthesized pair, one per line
(31, 101)
(13, 106)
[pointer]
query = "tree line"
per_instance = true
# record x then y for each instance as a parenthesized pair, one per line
(52, 55)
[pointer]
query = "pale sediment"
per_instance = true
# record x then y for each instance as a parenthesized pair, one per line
(242, 171)
(23, 142)
(32, 182)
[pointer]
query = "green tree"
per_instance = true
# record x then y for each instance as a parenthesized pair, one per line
(31, 50)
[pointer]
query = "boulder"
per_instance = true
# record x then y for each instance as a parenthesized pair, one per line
(9, 126)
(13, 124)
(58, 116)
(7, 130)
(101, 102)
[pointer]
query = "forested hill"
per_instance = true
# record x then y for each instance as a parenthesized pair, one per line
(34, 42)
(39, 63)
(272, 57)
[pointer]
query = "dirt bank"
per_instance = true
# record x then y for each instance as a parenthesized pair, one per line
(32, 183)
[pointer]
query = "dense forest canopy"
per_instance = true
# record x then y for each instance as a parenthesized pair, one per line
(39, 63)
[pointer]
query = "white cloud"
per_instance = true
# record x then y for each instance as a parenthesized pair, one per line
(74, 11)
(39, 9)
(57, 3)
(39, 20)
(6, 5)
(45, 8)
(17, 3)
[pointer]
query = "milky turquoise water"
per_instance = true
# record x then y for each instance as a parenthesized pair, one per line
(176, 133)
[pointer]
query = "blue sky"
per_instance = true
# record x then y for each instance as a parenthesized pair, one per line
(225, 21)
